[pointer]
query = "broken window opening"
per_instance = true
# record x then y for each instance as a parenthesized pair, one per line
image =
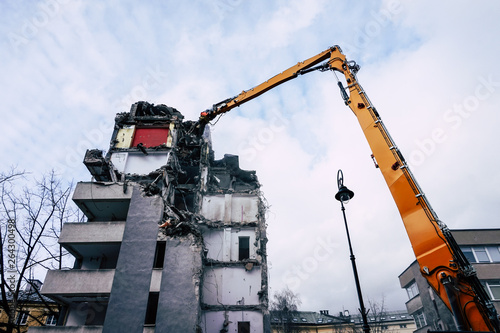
(159, 254)
(184, 200)
(244, 248)
(152, 309)
(243, 327)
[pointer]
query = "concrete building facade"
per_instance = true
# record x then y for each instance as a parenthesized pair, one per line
(175, 240)
(482, 249)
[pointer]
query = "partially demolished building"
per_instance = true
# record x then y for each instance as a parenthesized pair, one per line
(175, 240)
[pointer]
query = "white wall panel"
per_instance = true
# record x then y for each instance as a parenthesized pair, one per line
(231, 286)
(138, 163)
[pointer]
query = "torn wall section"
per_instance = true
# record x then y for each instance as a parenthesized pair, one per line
(235, 288)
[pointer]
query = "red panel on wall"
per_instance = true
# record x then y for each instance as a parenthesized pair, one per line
(150, 137)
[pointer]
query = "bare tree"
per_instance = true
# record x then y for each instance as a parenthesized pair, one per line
(31, 216)
(377, 315)
(284, 306)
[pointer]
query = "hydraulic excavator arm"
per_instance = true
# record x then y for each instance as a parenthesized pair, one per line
(440, 259)
(300, 68)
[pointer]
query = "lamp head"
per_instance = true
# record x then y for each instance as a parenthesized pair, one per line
(344, 194)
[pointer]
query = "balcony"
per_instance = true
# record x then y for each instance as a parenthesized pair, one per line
(103, 201)
(65, 329)
(78, 285)
(94, 239)
(414, 304)
(75, 329)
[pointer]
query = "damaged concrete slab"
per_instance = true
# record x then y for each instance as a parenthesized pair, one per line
(103, 201)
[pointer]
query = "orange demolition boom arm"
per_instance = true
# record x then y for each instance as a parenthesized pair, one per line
(303, 67)
(440, 259)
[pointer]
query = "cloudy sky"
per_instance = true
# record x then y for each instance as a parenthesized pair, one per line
(431, 69)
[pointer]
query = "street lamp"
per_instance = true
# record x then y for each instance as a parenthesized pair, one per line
(344, 195)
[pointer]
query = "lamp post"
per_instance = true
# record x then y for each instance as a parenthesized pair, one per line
(344, 195)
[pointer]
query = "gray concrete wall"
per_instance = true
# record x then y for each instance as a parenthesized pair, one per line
(80, 282)
(477, 236)
(103, 201)
(95, 232)
(130, 290)
(435, 311)
(178, 306)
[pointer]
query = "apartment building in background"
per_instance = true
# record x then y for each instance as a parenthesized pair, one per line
(343, 322)
(482, 249)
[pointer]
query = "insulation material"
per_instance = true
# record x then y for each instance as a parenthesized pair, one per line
(124, 136)
(170, 137)
(150, 136)
(138, 163)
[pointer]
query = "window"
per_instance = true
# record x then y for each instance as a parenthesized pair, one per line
(482, 254)
(22, 318)
(152, 309)
(419, 318)
(412, 289)
(243, 327)
(159, 254)
(402, 325)
(51, 320)
(493, 289)
(494, 252)
(244, 247)
(96, 312)
(467, 251)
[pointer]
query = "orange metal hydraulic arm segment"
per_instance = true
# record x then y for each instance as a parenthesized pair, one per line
(291, 73)
(441, 261)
